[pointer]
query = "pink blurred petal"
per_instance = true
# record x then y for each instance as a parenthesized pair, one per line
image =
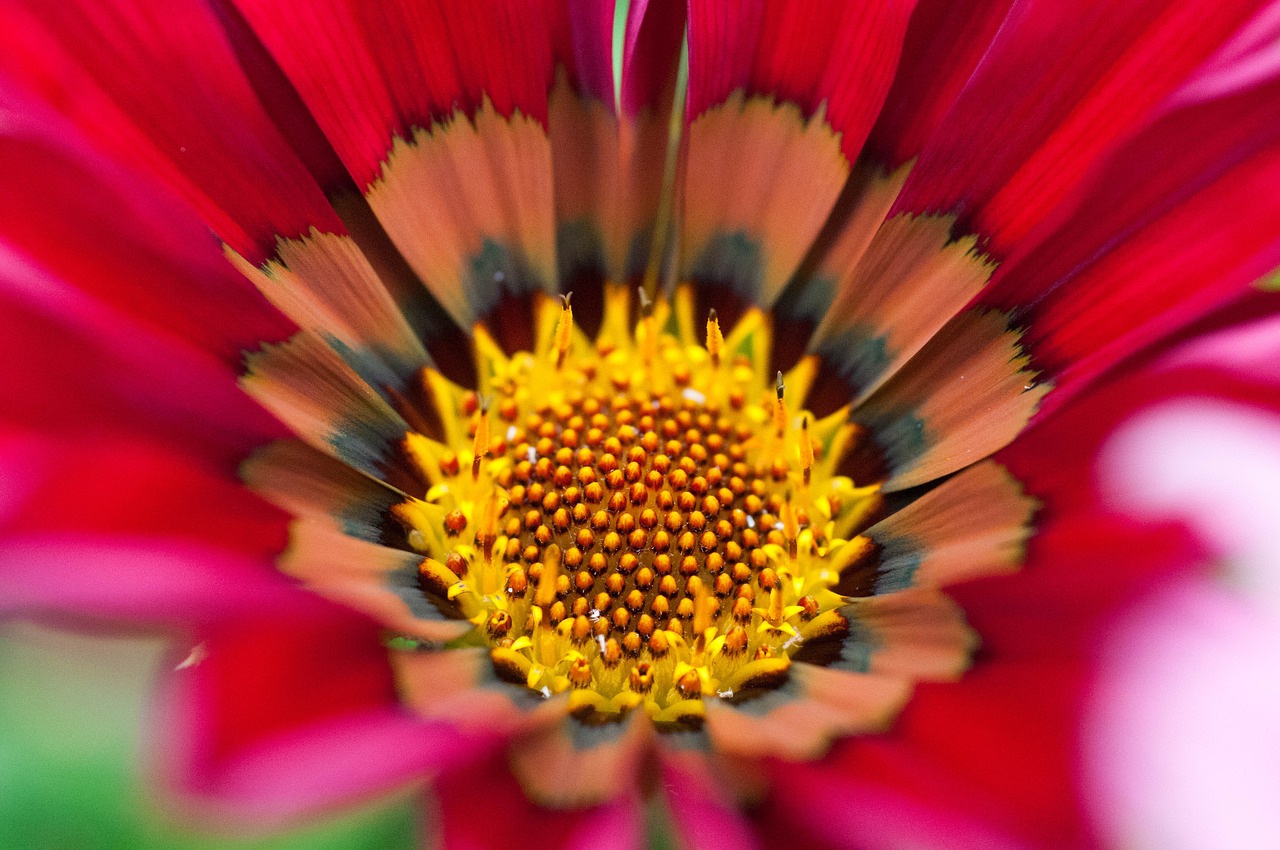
(1214, 466)
(1182, 750)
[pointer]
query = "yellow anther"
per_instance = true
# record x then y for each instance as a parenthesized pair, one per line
(546, 592)
(480, 445)
(715, 339)
(564, 330)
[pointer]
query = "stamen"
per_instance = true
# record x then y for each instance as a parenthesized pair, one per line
(780, 411)
(806, 451)
(564, 330)
(646, 333)
(480, 446)
(715, 339)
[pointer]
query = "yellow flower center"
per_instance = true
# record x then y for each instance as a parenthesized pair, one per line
(638, 520)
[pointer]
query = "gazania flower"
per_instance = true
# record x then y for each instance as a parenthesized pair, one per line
(579, 405)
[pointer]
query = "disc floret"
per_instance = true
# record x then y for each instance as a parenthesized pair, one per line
(642, 520)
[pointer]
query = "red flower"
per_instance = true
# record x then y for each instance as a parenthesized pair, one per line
(962, 231)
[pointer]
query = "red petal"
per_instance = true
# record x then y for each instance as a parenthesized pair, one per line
(369, 72)
(114, 485)
(292, 712)
(992, 758)
(482, 806)
(810, 53)
(1157, 241)
(80, 368)
(655, 31)
(945, 41)
(134, 250)
(1041, 109)
(160, 90)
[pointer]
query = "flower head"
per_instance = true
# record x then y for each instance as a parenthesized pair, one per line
(840, 273)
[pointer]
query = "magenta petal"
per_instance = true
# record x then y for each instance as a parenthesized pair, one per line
(944, 43)
(703, 818)
(481, 805)
(291, 709)
(314, 767)
(132, 579)
(850, 813)
(590, 48)
(616, 825)
(655, 32)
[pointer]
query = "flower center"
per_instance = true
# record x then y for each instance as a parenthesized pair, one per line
(642, 523)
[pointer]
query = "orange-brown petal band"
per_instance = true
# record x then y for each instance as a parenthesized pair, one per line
(973, 524)
(462, 686)
(967, 393)
(438, 118)
(381, 581)
(917, 633)
(910, 281)
(793, 86)
(609, 146)
(327, 286)
(310, 388)
(320, 488)
(575, 762)
(800, 719)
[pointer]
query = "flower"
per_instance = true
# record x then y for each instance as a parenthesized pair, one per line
(889, 258)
